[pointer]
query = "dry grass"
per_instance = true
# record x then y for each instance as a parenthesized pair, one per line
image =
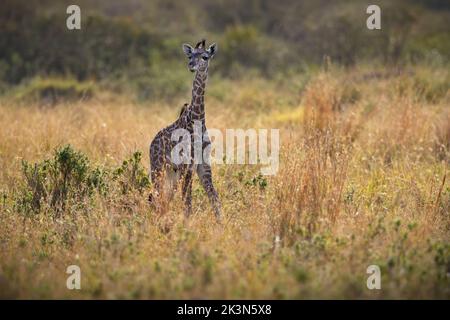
(363, 180)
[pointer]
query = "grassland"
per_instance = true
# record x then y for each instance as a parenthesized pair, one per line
(363, 180)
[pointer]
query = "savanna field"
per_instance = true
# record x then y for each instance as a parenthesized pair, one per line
(363, 180)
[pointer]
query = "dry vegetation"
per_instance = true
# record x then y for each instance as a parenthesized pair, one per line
(363, 180)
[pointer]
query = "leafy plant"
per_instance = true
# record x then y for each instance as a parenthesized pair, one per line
(258, 180)
(131, 175)
(67, 178)
(53, 90)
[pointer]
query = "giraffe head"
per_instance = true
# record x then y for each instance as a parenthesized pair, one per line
(199, 56)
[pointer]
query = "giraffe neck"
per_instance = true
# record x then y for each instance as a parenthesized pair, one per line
(198, 95)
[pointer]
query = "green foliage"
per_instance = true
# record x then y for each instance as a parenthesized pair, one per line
(244, 45)
(53, 90)
(131, 175)
(442, 258)
(429, 84)
(140, 48)
(432, 48)
(258, 180)
(161, 80)
(67, 179)
(37, 43)
(431, 87)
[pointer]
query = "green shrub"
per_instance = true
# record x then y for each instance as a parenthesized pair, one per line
(162, 83)
(69, 182)
(131, 175)
(245, 47)
(65, 180)
(54, 90)
(258, 180)
(431, 87)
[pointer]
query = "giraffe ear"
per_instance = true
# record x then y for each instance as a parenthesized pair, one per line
(187, 49)
(212, 50)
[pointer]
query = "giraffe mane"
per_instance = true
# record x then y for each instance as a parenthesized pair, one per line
(183, 108)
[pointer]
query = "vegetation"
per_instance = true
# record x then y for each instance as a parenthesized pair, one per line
(135, 47)
(49, 91)
(364, 123)
(363, 180)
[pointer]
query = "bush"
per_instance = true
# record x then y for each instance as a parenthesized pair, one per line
(432, 87)
(131, 175)
(68, 182)
(245, 46)
(52, 90)
(55, 184)
(162, 82)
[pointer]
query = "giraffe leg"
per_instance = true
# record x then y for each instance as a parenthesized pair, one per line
(187, 192)
(161, 187)
(163, 191)
(156, 166)
(205, 175)
(154, 195)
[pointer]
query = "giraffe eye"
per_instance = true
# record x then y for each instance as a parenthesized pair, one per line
(205, 58)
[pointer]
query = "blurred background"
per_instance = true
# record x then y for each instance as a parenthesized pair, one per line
(134, 47)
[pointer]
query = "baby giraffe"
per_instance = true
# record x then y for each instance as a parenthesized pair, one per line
(164, 172)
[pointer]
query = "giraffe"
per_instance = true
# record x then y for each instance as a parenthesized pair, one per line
(161, 146)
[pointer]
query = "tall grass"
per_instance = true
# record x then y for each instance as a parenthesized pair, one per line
(363, 180)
